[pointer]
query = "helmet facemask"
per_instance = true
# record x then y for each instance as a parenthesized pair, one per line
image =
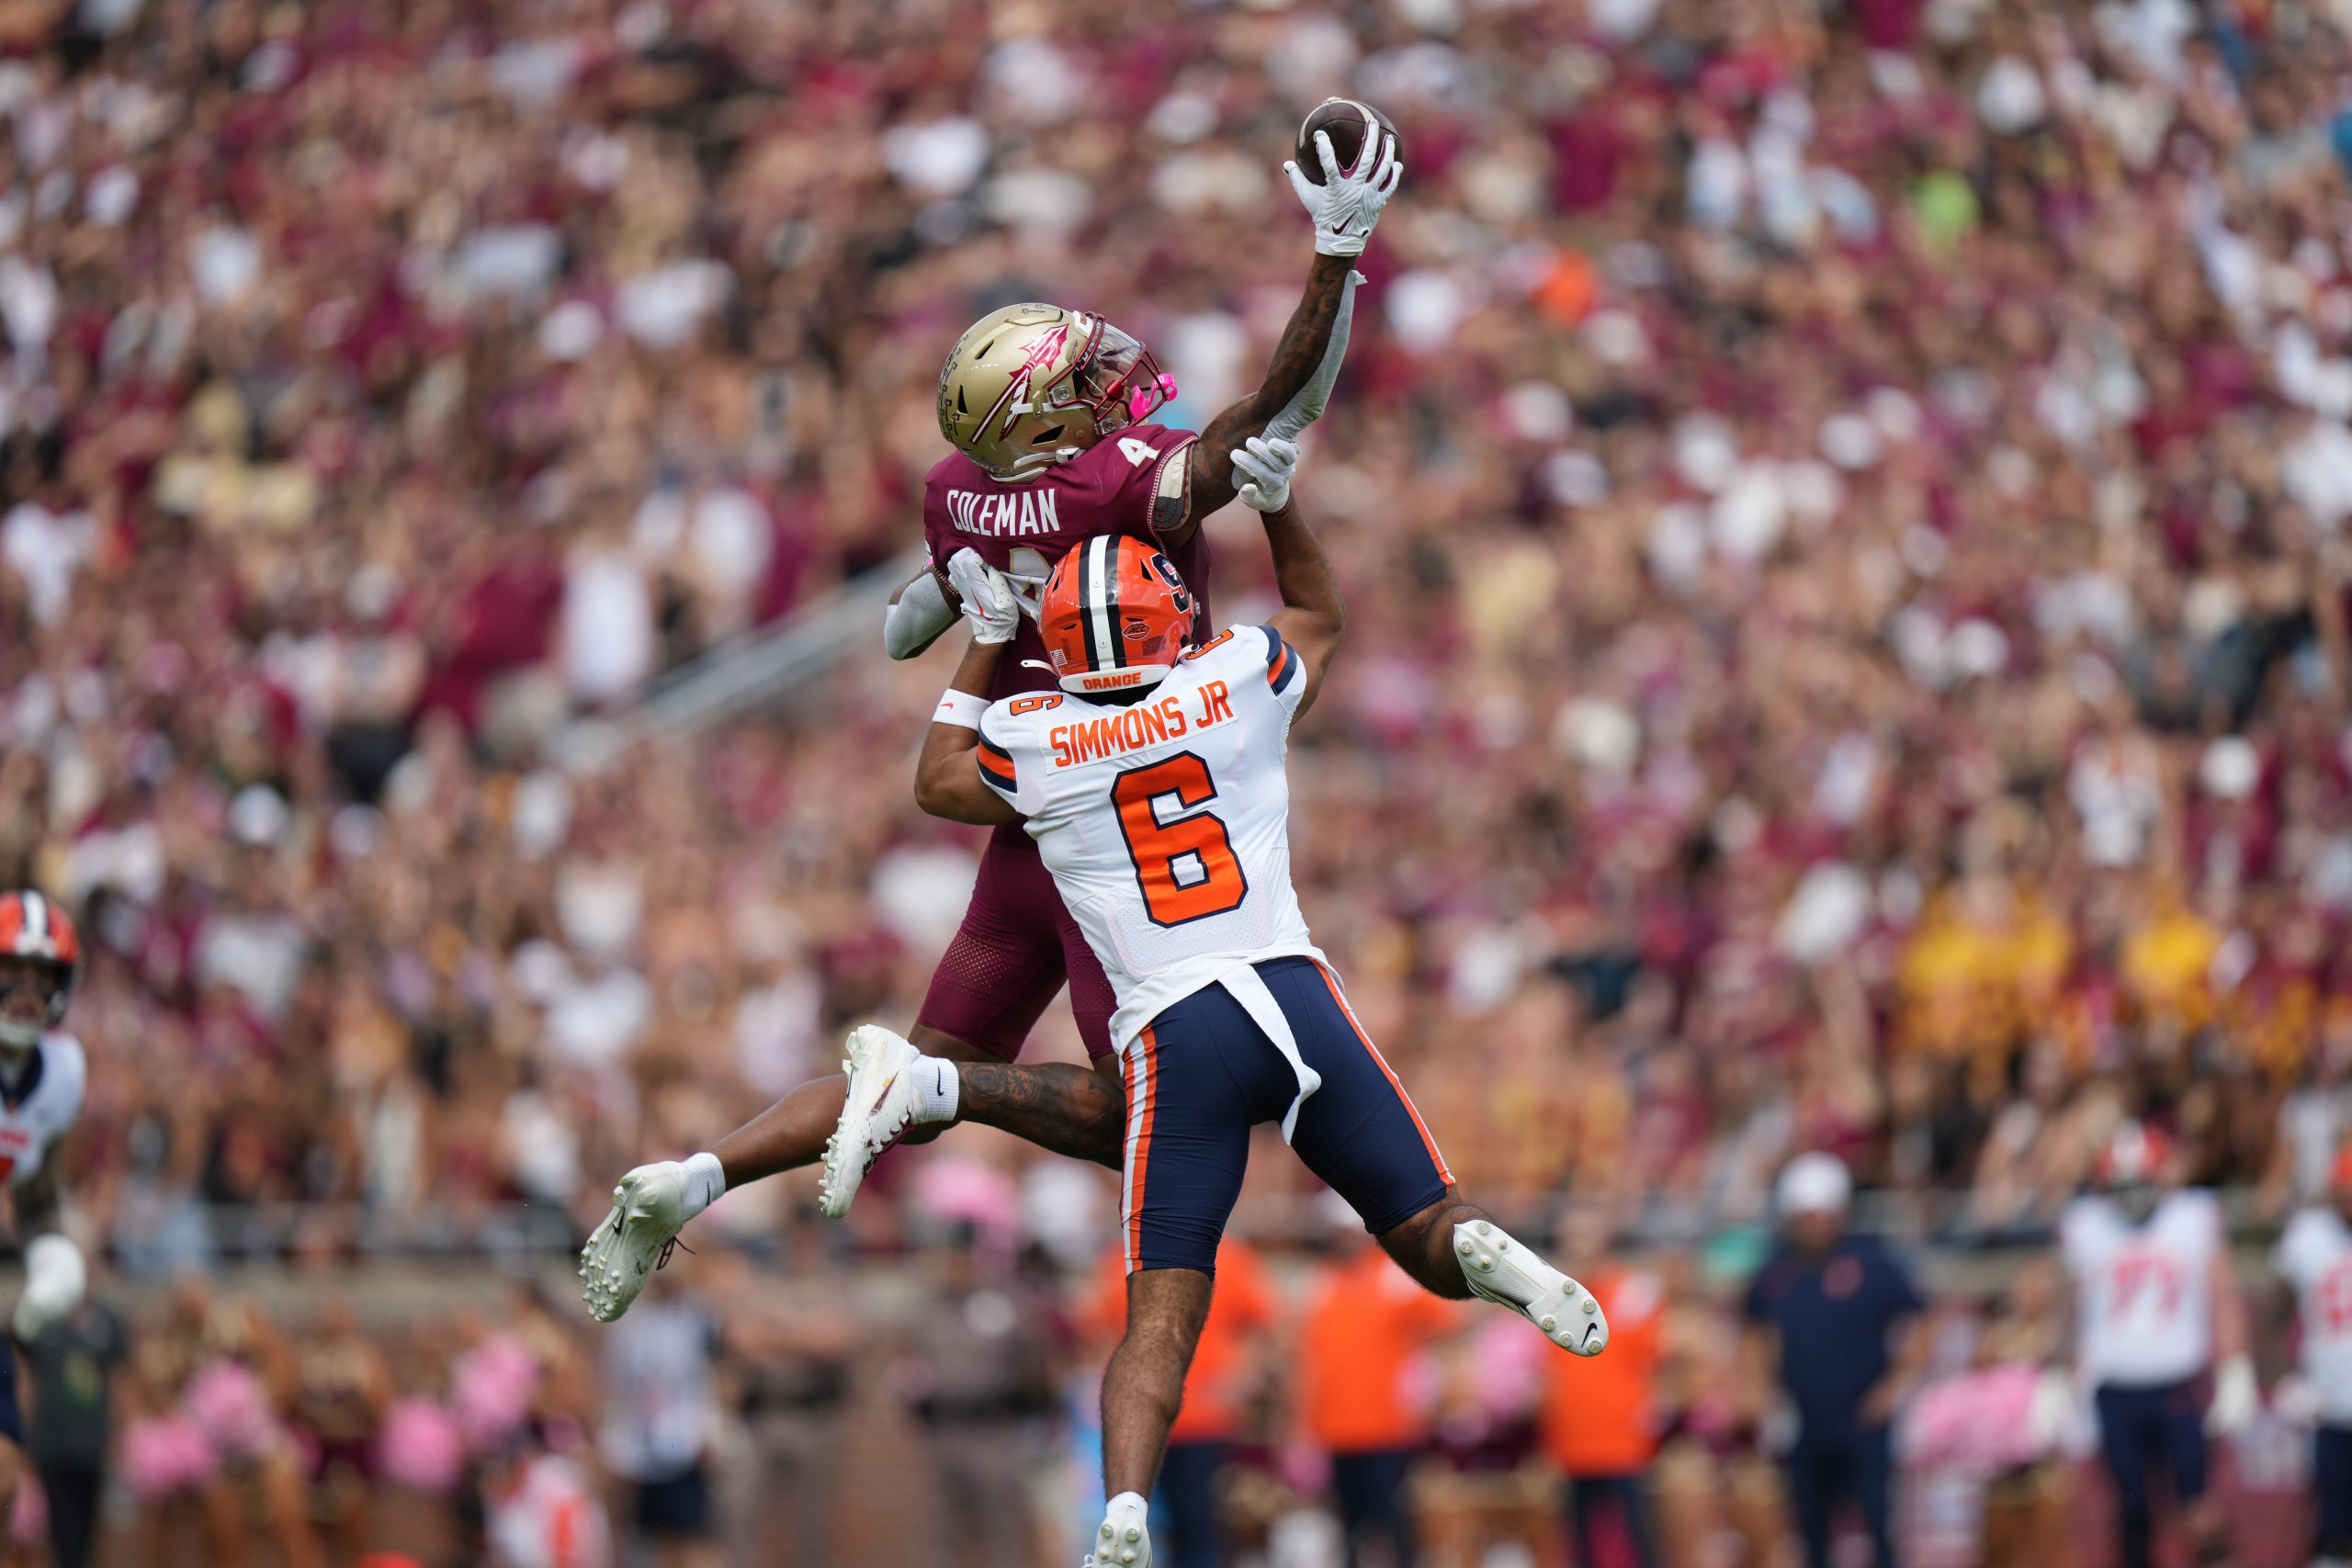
(33, 995)
(1117, 379)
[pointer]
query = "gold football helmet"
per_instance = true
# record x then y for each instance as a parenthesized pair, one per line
(1030, 386)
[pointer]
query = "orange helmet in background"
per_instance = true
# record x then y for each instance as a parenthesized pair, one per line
(1115, 616)
(2136, 1153)
(34, 931)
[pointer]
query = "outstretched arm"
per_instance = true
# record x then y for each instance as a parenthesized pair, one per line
(1313, 616)
(1345, 206)
(1209, 477)
(947, 778)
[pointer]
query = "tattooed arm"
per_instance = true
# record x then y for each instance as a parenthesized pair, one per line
(1209, 469)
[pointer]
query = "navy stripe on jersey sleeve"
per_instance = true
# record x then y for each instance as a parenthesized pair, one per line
(1281, 661)
(996, 766)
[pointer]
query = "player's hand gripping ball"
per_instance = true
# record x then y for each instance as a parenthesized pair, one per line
(1348, 165)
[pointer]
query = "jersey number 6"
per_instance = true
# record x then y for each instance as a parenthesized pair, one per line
(1186, 868)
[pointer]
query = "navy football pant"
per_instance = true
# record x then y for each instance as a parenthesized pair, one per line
(1203, 1073)
(2332, 1479)
(2138, 1427)
(1825, 1468)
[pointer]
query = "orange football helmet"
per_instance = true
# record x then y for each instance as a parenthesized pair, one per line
(35, 932)
(2135, 1152)
(1116, 616)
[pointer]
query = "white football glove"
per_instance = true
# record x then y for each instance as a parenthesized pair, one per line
(2237, 1398)
(990, 602)
(1347, 205)
(1264, 468)
(55, 1277)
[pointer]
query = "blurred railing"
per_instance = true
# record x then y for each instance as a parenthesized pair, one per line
(760, 668)
(155, 1239)
(150, 1240)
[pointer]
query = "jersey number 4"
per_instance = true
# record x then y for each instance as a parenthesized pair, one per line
(1186, 868)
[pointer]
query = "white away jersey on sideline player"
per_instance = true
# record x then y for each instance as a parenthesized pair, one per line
(1166, 822)
(2146, 1292)
(2315, 1257)
(30, 1128)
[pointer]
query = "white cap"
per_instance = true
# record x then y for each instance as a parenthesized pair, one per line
(1814, 1183)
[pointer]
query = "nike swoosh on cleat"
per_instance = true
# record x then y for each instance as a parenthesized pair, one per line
(878, 1099)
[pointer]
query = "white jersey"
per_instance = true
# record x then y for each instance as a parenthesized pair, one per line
(548, 1517)
(32, 1121)
(2315, 1257)
(1166, 822)
(2146, 1292)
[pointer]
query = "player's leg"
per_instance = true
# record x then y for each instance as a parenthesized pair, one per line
(2332, 1482)
(1870, 1471)
(1360, 1133)
(1196, 1082)
(2183, 1435)
(995, 980)
(11, 1439)
(1016, 945)
(2123, 1448)
(791, 1131)
(991, 986)
(1810, 1468)
(895, 1093)
(1064, 1109)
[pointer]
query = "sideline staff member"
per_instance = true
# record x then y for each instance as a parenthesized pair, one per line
(1825, 1313)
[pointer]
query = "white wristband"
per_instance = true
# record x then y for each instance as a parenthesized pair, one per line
(960, 708)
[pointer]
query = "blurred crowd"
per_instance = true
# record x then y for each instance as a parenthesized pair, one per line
(786, 1403)
(1842, 508)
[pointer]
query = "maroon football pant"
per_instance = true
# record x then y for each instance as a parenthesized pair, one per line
(1016, 946)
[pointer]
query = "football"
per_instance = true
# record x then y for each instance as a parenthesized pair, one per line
(1346, 119)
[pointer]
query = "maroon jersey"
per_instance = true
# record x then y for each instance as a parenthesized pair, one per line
(1112, 487)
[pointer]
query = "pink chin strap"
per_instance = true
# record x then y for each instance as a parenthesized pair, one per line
(1142, 400)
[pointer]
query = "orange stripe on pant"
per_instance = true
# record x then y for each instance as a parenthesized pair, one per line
(1428, 1142)
(1142, 1106)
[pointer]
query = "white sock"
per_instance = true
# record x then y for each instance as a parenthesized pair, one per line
(938, 1090)
(705, 1181)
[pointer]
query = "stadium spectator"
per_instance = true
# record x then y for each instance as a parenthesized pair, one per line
(74, 1365)
(1835, 1321)
(792, 1342)
(659, 1417)
(1851, 498)
(980, 1372)
(1363, 1387)
(1601, 1418)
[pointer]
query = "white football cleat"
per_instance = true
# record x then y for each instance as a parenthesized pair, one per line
(649, 1210)
(879, 1110)
(1125, 1539)
(1504, 1272)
